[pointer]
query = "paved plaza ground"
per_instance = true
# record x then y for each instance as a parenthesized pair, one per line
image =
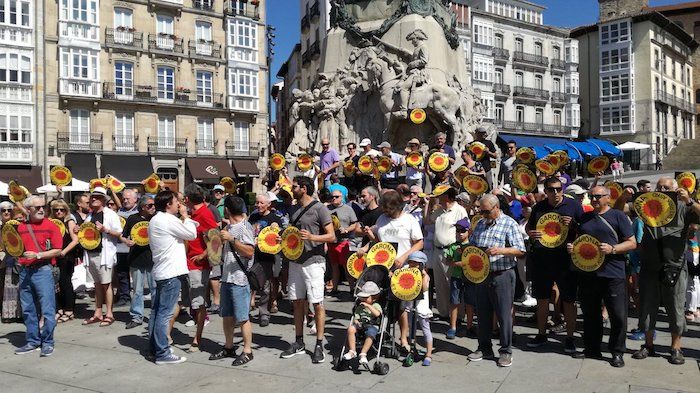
(111, 359)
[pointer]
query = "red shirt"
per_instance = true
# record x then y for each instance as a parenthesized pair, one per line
(206, 221)
(43, 231)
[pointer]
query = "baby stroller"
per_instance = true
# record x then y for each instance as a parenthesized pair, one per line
(380, 276)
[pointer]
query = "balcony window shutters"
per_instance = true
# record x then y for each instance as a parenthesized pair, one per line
(79, 127)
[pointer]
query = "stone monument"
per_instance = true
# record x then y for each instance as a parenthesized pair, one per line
(381, 60)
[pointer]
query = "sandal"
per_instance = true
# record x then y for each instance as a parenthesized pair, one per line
(242, 359)
(65, 318)
(92, 320)
(194, 348)
(107, 321)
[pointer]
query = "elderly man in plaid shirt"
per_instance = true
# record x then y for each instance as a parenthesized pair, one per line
(500, 237)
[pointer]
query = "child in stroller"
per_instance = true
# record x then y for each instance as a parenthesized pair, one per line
(366, 320)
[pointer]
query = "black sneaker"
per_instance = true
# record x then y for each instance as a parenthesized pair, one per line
(294, 349)
(676, 357)
(133, 324)
(569, 346)
(223, 353)
(264, 321)
(538, 341)
(319, 355)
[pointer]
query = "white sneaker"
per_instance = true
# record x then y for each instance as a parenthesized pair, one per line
(363, 361)
(350, 355)
(529, 301)
(190, 323)
(312, 329)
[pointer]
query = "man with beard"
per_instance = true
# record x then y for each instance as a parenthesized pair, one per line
(42, 244)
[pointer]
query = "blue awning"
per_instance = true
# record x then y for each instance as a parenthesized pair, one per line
(588, 150)
(537, 143)
(606, 147)
(572, 152)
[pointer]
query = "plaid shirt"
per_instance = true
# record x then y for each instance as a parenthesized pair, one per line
(504, 232)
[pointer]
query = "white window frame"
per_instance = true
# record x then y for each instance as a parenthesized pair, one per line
(123, 17)
(241, 136)
(15, 127)
(615, 32)
(124, 132)
(16, 67)
(616, 87)
(79, 126)
(165, 82)
(616, 119)
(166, 132)
(205, 87)
(124, 85)
(205, 134)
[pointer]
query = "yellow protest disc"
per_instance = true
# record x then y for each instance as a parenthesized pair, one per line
(587, 255)
(365, 165)
(438, 162)
(475, 185)
(17, 193)
(525, 155)
(305, 162)
(555, 160)
(61, 226)
(407, 283)
(475, 220)
(267, 240)
(381, 253)
(598, 164)
(88, 236)
(292, 244)
(215, 246)
(563, 156)
(440, 189)
(99, 182)
(554, 232)
(115, 184)
(229, 185)
(13, 222)
(348, 168)
(656, 209)
(60, 175)
(152, 184)
(476, 265)
(687, 181)
(139, 233)
(355, 265)
(277, 162)
(460, 173)
(478, 149)
(615, 190)
(122, 221)
(545, 167)
(12, 242)
(418, 116)
(384, 164)
(524, 179)
(414, 159)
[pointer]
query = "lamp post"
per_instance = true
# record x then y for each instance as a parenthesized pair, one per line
(270, 34)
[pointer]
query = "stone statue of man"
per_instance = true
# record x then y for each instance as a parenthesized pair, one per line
(415, 74)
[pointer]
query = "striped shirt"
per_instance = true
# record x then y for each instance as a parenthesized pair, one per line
(503, 232)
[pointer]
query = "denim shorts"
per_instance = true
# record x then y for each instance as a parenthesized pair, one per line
(368, 330)
(462, 292)
(235, 302)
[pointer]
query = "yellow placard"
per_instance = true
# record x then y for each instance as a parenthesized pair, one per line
(438, 162)
(381, 253)
(598, 164)
(615, 191)
(61, 226)
(414, 159)
(475, 185)
(11, 241)
(139, 233)
(267, 240)
(88, 236)
(355, 265)
(407, 283)
(525, 155)
(60, 175)
(215, 246)
(277, 162)
(292, 244)
(687, 180)
(524, 179)
(586, 255)
(554, 232)
(305, 162)
(476, 265)
(656, 209)
(418, 116)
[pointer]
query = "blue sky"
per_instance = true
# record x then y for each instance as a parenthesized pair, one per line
(284, 15)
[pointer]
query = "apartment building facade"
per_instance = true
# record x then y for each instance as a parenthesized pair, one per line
(21, 93)
(173, 87)
(526, 72)
(637, 82)
(315, 23)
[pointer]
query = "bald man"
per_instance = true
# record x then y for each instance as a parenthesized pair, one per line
(330, 160)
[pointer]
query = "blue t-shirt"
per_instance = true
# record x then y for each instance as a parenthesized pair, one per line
(339, 187)
(614, 265)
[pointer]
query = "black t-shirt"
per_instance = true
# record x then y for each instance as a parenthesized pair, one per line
(614, 265)
(139, 256)
(568, 207)
(486, 159)
(368, 219)
(263, 222)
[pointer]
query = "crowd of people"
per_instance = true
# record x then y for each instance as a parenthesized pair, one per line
(341, 211)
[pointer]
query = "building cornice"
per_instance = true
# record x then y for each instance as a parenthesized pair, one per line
(546, 29)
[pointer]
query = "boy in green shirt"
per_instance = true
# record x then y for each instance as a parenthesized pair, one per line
(366, 319)
(462, 292)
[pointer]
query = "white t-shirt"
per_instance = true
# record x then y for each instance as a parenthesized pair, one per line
(403, 230)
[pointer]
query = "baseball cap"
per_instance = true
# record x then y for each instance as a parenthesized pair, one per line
(99, 191)
(463, 196)
(464, 223)
(218, 187)
(385, 144)
(481, 130)
(414, 141)
(369, 288)
(365, 142)
(575, 189)
(419, 257)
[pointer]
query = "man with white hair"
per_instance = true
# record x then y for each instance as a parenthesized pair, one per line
(129, 208)
(499, 235)
(42, 244)
(260, 219)
(664, 273)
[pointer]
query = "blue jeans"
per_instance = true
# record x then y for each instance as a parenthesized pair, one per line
(36, 287)
(167, 292)
(138, 276)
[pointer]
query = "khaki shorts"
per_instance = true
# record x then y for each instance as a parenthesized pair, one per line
(307, 281)
(198, 281)
(101, 274)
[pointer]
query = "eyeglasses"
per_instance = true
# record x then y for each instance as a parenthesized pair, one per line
(664, 188)
(553, 189)
(111, 204)
(42, 207)
(60, 209)
(598, 196)
(7, 210)
(485, 212)
(150, 205)
(337, 196)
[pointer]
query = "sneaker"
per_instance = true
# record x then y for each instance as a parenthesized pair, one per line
(427, 361)
(190, 323)
(538, 341)
(638, 335)
(569, 346)
(529, 301)
(364, 362)
(676, 357)
(644, 352)
(451, 333)
(349, 355)
(294, 349)
(319, 356)
(505, 360)
(223, 353)
(47, 350)
(133, 324)
(213, 309)
(479, 355)
(170, 359)
(206, 321)
(29, 348)
(264, 321)
(558, 328)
